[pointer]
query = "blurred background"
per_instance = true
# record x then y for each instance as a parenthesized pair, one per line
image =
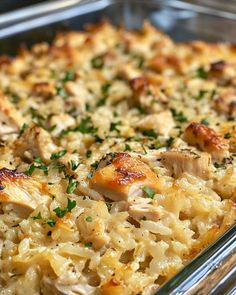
(8, 5)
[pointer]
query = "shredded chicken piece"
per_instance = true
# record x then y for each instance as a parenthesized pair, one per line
(35, 142)
(143, 210)
(19, 189)
(161, 122)
(10, 119)
(178, 162)
(61, 122)
(123, 178)
(207, 140)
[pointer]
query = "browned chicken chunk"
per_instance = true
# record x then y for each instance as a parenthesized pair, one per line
(207, 140)
(123, 178)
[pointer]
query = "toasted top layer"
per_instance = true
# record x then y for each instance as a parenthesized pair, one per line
(117, 160)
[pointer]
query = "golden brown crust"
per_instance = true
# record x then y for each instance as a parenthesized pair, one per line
(117, 180)
(207, 140)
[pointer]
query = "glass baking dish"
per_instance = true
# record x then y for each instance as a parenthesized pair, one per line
(214, 270)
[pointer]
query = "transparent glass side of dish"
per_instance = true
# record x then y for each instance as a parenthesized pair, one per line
(214, 270)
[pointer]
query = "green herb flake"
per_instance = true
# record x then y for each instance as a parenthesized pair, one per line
(38, 216)
(179, 116)
(51, 222)
(71, 185)
(15, 98)
(58, 155)
(51, 128)
(169, 141)
(86, 126)
(22, 129)
(36, 115)
(150, 193)
(30, 170)
(113, 126)
(219, 165)
(62, 212)
(88, 153)
(101, 102)
(97, 62)
(95, 165)
(105, 88)
(88, 244)
(37, 160)
(69, 76)
(74, 165)
(89, 219)
(127, 147)
(70, 204)
(205, 121)
(44, 168)
(201, 94)
(98, 139)
(202, 73)
(150, 133)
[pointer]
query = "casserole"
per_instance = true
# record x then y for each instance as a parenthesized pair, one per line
(7, 30)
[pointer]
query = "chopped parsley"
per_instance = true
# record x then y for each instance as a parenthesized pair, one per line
(37, 165)
(97, 62)
(113, 126)
(202, 73)
(169, 141)
(88, 153)
(74, 165)
(98, 139)
(201, 94)
(150, 133)
(38, 216)
(95, 165)
(37, 160)
(71, 185)
(58, 155)
(88, 244)
(62, 212)
(86, 126)
(150, 193)
(205, 121)
(89, 219)
(15, 98)
(51, 222)
(36, 115)
(179, 116)
(22, 129)
(105, 88)
(69, 75)
(219, 165)
(51, 128)
(127, 147)
(101, 102)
